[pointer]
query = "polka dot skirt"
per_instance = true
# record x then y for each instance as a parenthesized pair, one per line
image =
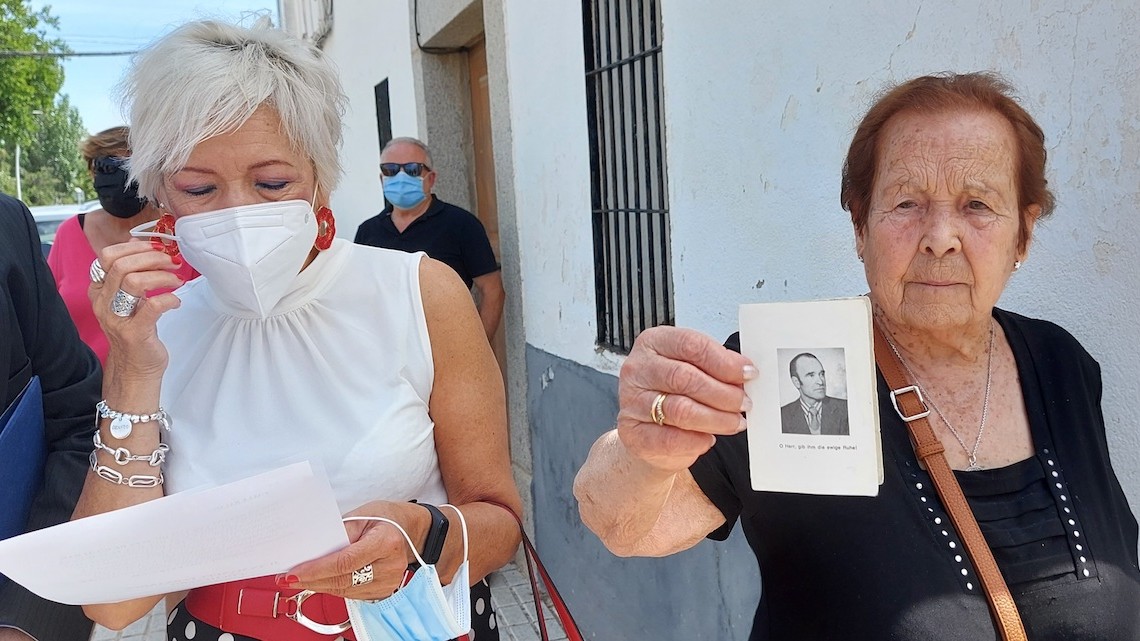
(182, 626)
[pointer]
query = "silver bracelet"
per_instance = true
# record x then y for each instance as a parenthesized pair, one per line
(123, 456)
(116, 477)
(121, 422)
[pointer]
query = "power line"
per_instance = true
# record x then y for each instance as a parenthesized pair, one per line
(60, 54)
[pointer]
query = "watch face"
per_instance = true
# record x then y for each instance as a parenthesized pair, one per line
(436, 536)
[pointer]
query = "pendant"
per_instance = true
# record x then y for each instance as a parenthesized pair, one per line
(973, 467)
(121, 427)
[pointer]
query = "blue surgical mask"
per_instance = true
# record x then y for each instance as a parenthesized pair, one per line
(422, 610)
(403, 190)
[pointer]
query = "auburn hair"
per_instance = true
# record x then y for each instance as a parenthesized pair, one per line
(941, 93)
(109, 142)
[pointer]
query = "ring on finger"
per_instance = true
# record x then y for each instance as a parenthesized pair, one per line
(657, 413)
(362, 576)
(97, 272)
(124, 304)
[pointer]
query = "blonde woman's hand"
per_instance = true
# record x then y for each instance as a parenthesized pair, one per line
(135, 268)
(371, 543)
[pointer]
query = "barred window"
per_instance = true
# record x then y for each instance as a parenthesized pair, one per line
(628, 175)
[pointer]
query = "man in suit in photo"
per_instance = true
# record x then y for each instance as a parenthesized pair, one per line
(814, 412)
(38, 338)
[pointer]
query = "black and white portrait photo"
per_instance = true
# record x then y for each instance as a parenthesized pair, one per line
(817, 379)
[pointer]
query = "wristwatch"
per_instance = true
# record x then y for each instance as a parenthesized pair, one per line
(436, 536)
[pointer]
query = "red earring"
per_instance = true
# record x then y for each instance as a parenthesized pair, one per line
(326, 228)
(165, 225)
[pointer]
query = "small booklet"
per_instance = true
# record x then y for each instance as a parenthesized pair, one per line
(814, 424)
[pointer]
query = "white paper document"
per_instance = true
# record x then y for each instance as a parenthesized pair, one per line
(814, 423)
(261, 525)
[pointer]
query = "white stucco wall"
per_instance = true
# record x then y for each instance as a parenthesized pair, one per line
(370, 41)
(762, 103)
(547, 94)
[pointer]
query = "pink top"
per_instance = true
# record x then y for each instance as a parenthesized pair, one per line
(70, 262)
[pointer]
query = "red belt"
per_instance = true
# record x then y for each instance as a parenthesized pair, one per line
(258, 608)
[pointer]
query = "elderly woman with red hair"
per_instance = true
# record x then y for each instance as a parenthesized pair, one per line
(944, 180)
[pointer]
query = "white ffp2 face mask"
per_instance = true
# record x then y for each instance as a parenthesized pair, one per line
(249, 254)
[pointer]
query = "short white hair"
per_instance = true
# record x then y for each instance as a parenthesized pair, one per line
(207, 78)
(408, 140)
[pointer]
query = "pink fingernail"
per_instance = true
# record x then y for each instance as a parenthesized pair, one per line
(750, 372)
(742, 425)
(746, 405)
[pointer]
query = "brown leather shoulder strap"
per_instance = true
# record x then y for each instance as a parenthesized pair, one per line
(911, 407)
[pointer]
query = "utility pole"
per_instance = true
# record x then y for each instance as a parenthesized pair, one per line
(19, 191)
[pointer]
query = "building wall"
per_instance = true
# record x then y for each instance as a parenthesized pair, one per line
(569, 384)
(760, 105)
(707, 592)
(547, 93)
(514, 323)
(370, 41)
(774, 97)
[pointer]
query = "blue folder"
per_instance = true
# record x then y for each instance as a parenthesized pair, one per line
(22, 451)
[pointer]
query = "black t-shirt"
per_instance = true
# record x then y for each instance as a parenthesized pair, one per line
(444, 232)
(892, 566)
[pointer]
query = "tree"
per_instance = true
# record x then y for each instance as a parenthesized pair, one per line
(47, 127)
(27, 83)
(51, 167)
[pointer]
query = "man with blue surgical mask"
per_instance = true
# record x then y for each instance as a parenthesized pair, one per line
(416, 220)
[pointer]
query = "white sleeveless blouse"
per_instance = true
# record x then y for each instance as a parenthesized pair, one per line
(340, 373)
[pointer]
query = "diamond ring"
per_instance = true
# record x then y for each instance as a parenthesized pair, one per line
(362, 576)
(124, 304)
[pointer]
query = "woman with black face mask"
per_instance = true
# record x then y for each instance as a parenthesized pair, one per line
(81, 238)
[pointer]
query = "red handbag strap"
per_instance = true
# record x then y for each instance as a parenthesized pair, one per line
(533, 562)
(928, 449)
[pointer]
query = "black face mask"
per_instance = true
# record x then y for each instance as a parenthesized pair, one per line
(115, 196)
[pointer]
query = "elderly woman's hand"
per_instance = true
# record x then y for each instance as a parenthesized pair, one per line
(134, 268)
(704, 396)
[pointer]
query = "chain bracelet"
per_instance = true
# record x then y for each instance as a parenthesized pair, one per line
(123, 456)
(122, 423)
(114, 476)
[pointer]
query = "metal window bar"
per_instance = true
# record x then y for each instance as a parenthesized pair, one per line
(629, 185)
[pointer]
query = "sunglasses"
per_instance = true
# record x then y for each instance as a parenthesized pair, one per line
(107, 164)
(413, 169)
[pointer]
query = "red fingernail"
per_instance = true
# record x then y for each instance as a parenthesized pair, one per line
(156, 244)
(177, 258)
(286, 580)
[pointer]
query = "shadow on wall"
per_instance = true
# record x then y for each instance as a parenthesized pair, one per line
(708, 592)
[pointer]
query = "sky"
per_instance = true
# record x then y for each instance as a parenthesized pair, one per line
(124, 25)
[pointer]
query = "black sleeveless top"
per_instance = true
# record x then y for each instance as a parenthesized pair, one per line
(892, 566)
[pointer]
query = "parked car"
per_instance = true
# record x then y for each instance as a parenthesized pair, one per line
(49, 217)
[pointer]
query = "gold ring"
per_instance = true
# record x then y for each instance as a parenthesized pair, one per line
(658, 411)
